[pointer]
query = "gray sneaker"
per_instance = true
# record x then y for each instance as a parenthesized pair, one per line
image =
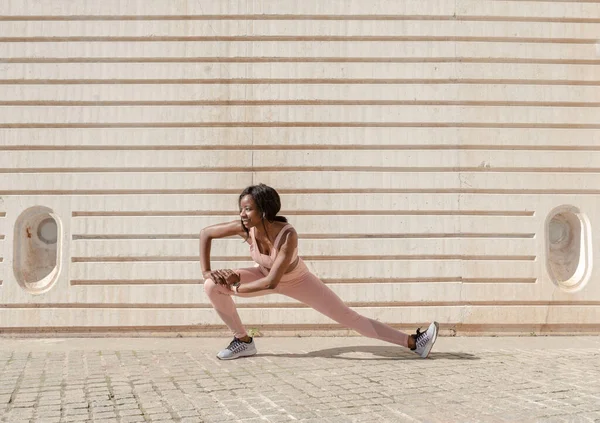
(425, 340)
(237, 349)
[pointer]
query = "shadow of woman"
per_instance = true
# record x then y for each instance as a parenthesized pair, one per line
(376, 353)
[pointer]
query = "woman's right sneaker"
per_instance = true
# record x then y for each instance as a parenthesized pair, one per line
(425, 340)
(237, 349)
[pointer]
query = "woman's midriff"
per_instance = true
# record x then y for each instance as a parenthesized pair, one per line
(296, 269)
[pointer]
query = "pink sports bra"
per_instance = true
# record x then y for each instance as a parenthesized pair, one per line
(264, 260)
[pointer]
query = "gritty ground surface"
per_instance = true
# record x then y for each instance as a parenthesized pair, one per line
(554, 379)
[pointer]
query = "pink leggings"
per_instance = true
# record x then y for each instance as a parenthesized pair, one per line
(305, 287)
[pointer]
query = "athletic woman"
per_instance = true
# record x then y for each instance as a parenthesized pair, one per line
(274, 247)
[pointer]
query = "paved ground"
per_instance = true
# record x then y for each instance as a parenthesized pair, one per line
(300, 379)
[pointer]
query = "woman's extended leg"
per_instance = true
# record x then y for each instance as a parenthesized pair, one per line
(313, 292)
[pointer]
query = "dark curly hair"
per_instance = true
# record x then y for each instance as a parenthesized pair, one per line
(267, 201)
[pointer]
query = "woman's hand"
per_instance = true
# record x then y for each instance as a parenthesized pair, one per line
(225, 277)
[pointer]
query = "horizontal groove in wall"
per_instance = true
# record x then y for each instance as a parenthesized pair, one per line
(137, 330)
(300, 38)
(314, 213)
(549, 1)
(289, 81)
(278, 59)
(527, 328)
(295, 305)
(108, 282)
(523, 191)
(292, 17)
(498, 280)
(490, 125)
(122, 259)
(99, 103)
(387, 169)
(492, 235)
(516, 191)
(302, 147)
(457, 279)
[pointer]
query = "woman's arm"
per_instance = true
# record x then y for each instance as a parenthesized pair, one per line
(282, 263)
(209, 233)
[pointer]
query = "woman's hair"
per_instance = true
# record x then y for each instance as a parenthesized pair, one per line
(267, 201)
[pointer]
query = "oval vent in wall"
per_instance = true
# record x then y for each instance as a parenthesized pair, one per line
(568, 247)
(37, 249)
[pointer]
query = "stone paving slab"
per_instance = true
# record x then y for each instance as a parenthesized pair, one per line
(350, 379)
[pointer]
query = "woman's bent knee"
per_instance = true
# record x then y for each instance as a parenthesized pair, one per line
(209, 287)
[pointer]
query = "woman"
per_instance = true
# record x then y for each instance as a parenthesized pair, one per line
(274, 247)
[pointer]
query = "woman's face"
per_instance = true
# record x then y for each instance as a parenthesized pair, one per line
(249, 212)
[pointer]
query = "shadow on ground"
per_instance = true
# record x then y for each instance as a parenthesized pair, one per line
(376, 352)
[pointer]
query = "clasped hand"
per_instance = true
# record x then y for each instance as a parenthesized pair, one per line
(225, 277)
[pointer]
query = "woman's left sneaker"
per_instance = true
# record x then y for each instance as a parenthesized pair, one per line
(425, 340)
(238, 349)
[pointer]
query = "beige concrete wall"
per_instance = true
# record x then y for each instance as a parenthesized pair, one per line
(419, 147)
